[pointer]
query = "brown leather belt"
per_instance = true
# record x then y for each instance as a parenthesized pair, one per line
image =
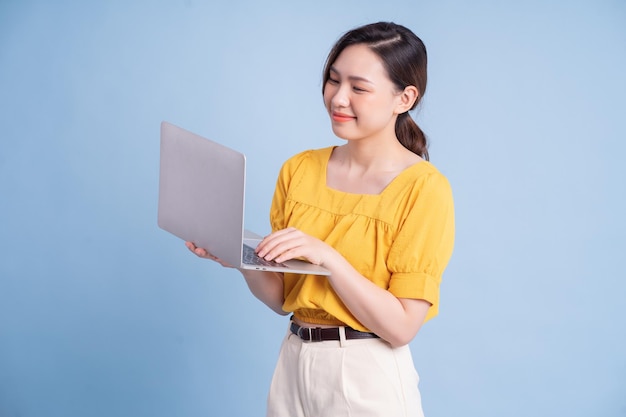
(318, 334)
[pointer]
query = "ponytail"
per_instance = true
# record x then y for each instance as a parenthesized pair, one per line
(411, 136)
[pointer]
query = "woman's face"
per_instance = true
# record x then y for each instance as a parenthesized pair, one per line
(359, 96)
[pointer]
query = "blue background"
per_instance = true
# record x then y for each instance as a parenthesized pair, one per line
(104, 314)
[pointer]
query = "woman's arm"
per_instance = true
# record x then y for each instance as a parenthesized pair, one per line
(264, 285)
(267, 287)
(397, 320)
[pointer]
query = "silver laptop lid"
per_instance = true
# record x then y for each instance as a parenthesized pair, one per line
(190, 163)
(201, 199)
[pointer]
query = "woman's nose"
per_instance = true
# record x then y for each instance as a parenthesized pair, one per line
(340, 98)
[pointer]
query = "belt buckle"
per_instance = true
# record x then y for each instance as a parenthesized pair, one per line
(314, 334)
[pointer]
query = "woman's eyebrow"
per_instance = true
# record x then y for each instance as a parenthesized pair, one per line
(351, 77)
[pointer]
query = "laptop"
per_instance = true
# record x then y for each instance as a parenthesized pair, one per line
(202, 200)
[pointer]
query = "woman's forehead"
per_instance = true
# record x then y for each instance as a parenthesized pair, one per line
(359, 61)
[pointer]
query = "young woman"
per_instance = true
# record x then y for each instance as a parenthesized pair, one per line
(375, 213)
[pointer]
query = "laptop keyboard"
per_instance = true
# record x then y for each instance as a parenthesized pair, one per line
(251, 258)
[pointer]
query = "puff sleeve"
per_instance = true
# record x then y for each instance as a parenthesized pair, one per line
(424, 242)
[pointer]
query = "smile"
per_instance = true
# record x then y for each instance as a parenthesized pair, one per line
(340, 117)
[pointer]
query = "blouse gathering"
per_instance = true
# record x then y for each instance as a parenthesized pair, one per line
(400, 239)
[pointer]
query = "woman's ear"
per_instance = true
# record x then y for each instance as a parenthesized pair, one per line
(407, 98)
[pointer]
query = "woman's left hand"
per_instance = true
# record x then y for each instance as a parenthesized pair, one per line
(291, 243)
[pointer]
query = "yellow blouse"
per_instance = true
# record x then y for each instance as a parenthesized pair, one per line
(400, 239)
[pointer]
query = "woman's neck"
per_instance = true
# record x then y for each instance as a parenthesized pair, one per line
(363, 168)
(370, 155)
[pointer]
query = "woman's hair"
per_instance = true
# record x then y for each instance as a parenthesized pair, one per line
(404, 57)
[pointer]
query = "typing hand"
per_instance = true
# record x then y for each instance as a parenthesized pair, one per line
(292, 243)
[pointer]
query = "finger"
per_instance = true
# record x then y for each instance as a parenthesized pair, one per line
(275, 247)
(288, 248)
(277, 235)
(196, 250)
(271, 242)
(286, 255)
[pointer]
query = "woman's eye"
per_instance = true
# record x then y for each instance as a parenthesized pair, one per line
(358, 89)
(333, 81)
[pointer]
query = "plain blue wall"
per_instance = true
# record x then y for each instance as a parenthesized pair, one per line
(104, 314)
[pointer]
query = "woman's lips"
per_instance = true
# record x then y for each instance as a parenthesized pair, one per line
(340, 117)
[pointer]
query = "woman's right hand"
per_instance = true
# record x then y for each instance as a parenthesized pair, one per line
(203, 253)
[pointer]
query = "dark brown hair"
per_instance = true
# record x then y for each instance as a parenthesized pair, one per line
(404, 57)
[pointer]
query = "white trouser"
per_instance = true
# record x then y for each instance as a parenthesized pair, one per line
(357, 378)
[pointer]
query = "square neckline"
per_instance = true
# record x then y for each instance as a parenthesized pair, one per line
(390, 185)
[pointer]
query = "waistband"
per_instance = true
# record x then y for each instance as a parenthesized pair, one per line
(319, 334)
